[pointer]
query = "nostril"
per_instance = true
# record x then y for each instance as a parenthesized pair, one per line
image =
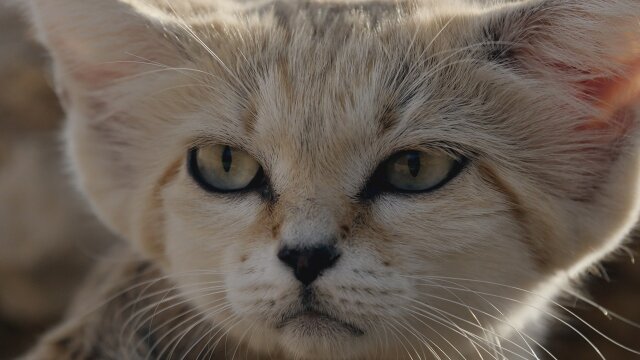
(308, 263)
(289, 256)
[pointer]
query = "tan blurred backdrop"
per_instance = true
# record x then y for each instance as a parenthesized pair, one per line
(48, 239)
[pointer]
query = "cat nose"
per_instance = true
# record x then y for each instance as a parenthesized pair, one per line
(308, 263)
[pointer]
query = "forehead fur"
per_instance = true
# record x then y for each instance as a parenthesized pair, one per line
(376, 77)
(292, 92)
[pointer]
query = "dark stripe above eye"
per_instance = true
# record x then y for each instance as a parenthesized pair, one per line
(403, 90)
(388, 119)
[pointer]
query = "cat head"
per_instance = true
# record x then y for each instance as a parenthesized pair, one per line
(348, 179)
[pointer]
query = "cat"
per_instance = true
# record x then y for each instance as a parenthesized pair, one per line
(343, 179)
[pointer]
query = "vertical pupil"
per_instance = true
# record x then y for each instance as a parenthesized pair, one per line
(226, 158)
(413, 161)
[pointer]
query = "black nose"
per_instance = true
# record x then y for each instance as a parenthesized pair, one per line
(308, 263)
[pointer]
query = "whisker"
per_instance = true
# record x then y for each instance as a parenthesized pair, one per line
(186, 27)
(199, 314)
(604, 310)
(427, 48)
(439, 334)
(394, 333)
(158, 327)
(146, 282)
(184, 296)
(432, 307)
(551, 301)
(477, 339)
(419, 337)
(226, 333)
(444, 321)
(522, 336)
(240, 340)
(219, 326)
(470, 311)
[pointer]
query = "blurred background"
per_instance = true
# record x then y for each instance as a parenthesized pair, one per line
(48, 239)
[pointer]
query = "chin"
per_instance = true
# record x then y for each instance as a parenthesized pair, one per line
(314, 335)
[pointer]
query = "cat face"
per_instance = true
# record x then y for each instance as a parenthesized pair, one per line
(356, 180)
(320, 139)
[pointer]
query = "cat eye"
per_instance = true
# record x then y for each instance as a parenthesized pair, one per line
(222, 168)
(414, 172)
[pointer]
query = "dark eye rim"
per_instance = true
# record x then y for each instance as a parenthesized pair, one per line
(379, 183)
(259, 181)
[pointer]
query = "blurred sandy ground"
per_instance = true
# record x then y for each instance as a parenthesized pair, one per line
(47, 239)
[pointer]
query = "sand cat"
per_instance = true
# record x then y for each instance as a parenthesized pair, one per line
(343, 179)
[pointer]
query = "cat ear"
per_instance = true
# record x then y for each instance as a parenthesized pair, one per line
(581, 60)
(106, 56)
(96, 42)
(592, 47)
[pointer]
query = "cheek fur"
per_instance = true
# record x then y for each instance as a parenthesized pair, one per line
(208, 226)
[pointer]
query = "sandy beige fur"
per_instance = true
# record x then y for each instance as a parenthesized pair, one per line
(541, 97)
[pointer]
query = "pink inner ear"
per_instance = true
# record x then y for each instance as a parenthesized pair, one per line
(614, 96)
(98, 63)
(84, 66)
(99, 75)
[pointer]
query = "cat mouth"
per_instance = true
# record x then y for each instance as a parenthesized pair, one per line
(312, 322)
